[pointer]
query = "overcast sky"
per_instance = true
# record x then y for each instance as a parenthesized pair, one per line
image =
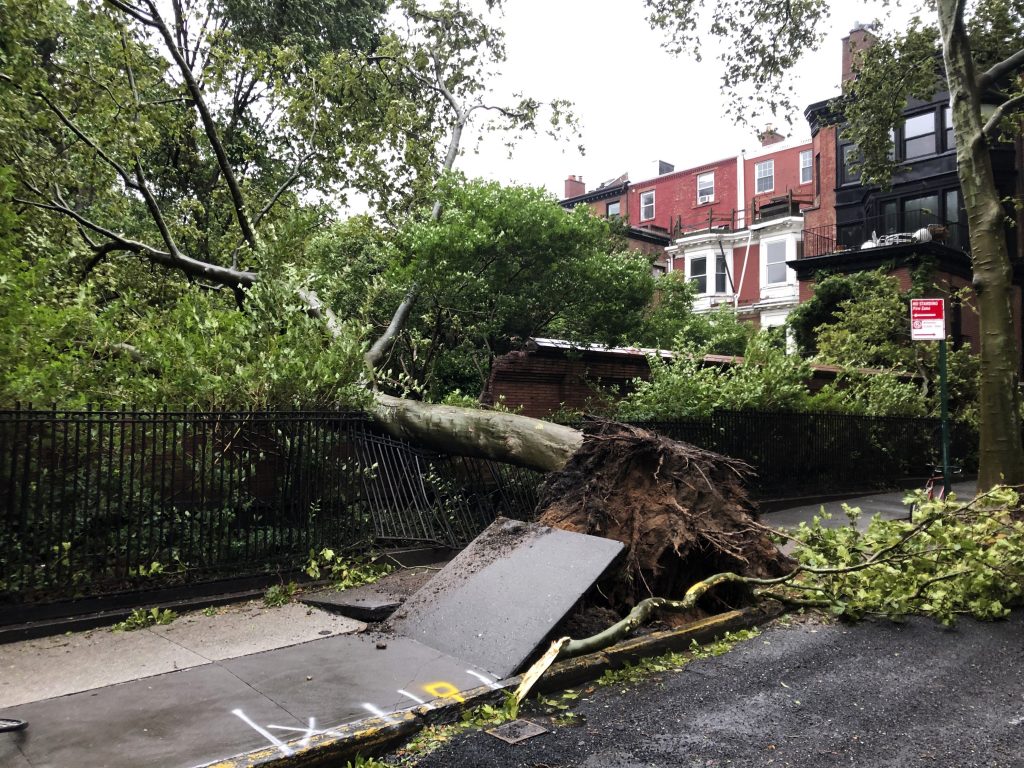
(636, 103)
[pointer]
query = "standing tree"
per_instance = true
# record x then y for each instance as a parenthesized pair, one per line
(981, 49)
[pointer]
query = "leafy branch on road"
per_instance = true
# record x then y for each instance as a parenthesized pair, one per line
(950, 558)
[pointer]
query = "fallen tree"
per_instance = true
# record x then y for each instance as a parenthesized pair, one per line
(950, 559)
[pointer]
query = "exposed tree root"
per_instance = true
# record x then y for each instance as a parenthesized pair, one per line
(682, 512)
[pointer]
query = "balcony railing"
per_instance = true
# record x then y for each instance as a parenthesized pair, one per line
(730, 220)
(882, 231)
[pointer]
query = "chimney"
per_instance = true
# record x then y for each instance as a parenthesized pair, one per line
(770, 136)
(860, 37)
(574, 187)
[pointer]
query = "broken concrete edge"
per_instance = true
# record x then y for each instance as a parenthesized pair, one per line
(376, 735)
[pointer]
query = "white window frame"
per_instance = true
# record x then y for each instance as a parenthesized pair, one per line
(806, 166)
(690, 258)
(711, 273)
(644, 205)
(767, 245)
(709, 194)
(760, 175)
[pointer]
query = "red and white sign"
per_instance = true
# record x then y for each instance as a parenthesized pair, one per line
(927, 319)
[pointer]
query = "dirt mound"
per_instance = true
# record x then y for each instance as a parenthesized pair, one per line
(682, 512)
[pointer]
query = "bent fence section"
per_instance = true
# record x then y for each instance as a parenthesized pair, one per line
(100, 502)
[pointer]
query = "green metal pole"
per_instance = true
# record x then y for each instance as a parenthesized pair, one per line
(944, 398)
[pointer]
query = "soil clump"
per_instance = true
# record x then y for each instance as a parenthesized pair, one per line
(682, 512)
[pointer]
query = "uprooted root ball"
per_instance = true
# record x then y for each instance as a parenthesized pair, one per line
(682, 512)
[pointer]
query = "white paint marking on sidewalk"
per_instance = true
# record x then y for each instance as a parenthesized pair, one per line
(484, 679)
(379, 713)
(284, 748)
(408, 695)
(307, 733)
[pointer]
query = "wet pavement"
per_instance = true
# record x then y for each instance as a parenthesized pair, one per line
(875, 694)
(889, 506)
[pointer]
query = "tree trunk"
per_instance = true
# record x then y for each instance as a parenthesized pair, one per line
(505, 437)
(1000, 450)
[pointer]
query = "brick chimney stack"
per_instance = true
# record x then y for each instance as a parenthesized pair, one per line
(860, 37)
(574, 187)
(770, 136)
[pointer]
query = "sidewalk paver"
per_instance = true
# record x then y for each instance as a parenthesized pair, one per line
(501, 596)
(220, 709)
(44, 668)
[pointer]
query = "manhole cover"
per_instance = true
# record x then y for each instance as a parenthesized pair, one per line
(516, 731)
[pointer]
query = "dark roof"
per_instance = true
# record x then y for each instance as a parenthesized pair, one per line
(947, 259)
(594, 195)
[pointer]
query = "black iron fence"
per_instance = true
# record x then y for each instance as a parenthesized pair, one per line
(105, 501)
(809, 454)
(98, 502)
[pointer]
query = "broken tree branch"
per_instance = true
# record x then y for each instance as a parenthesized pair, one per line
(206, 118)
(996, 72)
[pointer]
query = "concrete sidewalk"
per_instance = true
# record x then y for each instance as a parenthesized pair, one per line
(208, 687)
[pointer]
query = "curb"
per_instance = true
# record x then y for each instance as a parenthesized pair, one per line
(376, 735)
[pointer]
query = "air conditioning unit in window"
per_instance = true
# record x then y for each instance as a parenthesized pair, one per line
(704, 199)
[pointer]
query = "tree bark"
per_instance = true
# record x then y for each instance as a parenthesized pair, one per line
(505, 437)
(1000, 450)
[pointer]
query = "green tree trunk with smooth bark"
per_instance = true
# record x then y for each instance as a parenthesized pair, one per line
(1001, 452)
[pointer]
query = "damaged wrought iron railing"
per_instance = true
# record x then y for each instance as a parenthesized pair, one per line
(104, 501)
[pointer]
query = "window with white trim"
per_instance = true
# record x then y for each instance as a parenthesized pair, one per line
(647, 205)
(775, 262)
(721, 274)
(705, 187)
(699, 273)
(764, 176)
(806, 167)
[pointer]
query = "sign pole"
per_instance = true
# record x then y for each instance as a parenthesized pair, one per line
(944, 399)
(928, 323)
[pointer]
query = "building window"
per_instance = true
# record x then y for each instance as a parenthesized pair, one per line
(890, 217)
(612, 209)
(806, 169)
(764, 176)
(919, 136)
(721, 274)
(705, 187)
(850, 160)
(947, 127)
(920, 212)
(775, 262)
(699, 273)
(646, 205)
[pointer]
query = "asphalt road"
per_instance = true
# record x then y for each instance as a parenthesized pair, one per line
(869, 694)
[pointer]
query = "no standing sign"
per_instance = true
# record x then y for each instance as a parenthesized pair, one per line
(927, 319)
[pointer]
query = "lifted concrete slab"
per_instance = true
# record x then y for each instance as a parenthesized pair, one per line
(372, 602)
(207, 713)
(502, 595)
